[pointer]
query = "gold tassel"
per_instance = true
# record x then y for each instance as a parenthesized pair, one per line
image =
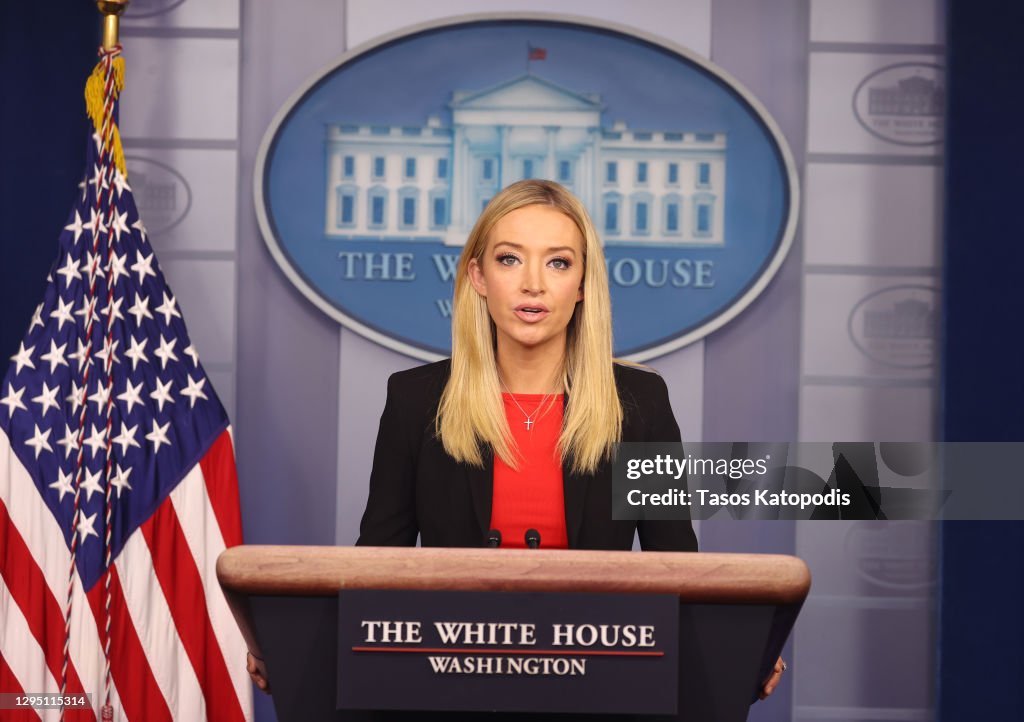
(94, 100)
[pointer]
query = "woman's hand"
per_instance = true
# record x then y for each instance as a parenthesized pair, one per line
(258, 671)
(772, 682)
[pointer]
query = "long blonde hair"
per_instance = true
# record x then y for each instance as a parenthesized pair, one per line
(471, 415)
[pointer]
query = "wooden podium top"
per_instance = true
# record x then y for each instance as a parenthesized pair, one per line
(695, 577)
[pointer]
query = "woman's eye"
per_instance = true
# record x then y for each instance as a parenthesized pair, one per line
(507, 259)
(560, 263)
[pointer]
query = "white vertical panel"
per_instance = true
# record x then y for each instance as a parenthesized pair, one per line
(870, 327)
(187, 198)
(877, 21)
(872, 215)
(180, 87)
(838, 85)
(220, 14)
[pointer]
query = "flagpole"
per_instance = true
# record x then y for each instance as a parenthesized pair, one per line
(111, 10)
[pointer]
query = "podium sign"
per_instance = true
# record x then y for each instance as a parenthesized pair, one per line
(508, 651)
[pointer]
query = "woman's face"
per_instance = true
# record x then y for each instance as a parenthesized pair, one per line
(531, 274)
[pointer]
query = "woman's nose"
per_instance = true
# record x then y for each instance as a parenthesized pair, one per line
(533, 281)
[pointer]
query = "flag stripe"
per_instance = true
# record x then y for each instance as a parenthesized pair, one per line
(29, 669)
(27, 588)
(141, 697)
(218, 465)
(203, 534)
(183, 589)
(9, 683)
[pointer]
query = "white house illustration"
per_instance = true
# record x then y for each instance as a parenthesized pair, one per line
(431, 182)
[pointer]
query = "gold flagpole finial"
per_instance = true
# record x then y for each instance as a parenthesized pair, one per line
(111, 10)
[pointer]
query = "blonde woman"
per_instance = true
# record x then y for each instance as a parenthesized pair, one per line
(516, 430)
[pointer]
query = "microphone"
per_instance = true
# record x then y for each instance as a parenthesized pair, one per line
(532, 539)
(493, 539)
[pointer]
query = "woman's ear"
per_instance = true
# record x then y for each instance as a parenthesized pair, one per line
(476, 277)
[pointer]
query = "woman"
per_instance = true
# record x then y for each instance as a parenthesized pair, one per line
(517, 429)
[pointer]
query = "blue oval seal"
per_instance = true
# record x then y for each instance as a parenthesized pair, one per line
(371, 176)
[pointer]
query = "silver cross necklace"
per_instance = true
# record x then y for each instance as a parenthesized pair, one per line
(529, 423)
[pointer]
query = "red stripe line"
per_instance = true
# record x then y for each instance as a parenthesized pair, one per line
(218, 465)
(39, 606)
(9, 683)
(532, 652)
(183, 588)
(141, 698)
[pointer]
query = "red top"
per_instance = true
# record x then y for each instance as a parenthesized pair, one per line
(532, 496)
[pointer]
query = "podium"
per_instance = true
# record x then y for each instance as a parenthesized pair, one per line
(735, 613)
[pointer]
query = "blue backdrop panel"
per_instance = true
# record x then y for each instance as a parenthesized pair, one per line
(46, 53)
(982, 629)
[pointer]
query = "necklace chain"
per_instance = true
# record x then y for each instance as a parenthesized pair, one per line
(529, 423)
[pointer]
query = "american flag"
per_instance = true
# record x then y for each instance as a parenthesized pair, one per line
(117, 478)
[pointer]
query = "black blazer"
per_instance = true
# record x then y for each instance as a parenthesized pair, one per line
(416, 488)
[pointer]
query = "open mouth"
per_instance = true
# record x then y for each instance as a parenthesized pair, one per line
(531, 313)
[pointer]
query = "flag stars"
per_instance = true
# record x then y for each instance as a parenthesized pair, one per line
(109, 352)
(91, 265)
(194, 391)
(131, 395)
(121, 183)
(143, 266)
(95, 225)
(168, 308)
(76, 226)
(13, 400)
(69, 442)
(96, 440)
(47, 399)
(81, 355)
(162, 393)
(166, 351)
(113, 311)
(141, 228)
(97, 181)
(88, 312)
(77, 396)
(192, 354)
(70, 271)
(40, 441)
(91, 484)
(55, 356)
(23, 358)
(119, 480)
(63, 312)
(140, 309)
(62, 485)
(37, 318)
(126, 438)
(117, 267)
(158, 435)
(86, 527)
(137, 351)
(100, 397)
(119, 225)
